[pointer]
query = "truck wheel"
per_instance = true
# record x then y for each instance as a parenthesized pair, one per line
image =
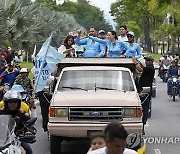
(55, 144)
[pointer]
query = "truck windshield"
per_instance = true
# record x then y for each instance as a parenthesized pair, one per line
(96, 80)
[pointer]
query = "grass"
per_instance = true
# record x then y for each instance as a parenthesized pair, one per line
(28, 65)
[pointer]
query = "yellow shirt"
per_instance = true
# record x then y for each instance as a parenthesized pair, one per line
(24, 107)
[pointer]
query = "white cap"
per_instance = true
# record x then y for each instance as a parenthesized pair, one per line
(130, 33)
(24, 70)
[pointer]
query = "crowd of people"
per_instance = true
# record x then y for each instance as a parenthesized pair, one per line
(99, 44)
(169, 68)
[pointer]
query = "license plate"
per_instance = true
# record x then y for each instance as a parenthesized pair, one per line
(91, 132)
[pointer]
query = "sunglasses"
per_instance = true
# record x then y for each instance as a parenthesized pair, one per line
(148, 60)
(130, 36)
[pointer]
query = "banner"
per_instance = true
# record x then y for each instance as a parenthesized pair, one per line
(45, 64)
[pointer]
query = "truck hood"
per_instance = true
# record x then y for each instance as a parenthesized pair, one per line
(95, 98)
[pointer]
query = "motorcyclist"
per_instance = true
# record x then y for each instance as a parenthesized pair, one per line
(9, 75)
(172, 71)
(24, 80)
(31, 109)
(12, 104)
(169, 56)
(164, 63)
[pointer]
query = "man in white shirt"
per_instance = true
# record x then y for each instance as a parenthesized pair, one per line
(123, 33)
(115, 141)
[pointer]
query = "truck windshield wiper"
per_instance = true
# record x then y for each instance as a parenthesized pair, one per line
(104, 88)
(74, 88)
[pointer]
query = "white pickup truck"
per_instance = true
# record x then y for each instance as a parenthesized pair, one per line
(89, 94)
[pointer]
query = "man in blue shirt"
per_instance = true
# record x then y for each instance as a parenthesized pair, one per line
(172, 71)
(9, 75)
(93, 48)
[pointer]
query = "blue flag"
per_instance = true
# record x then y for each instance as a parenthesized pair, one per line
(45, 63)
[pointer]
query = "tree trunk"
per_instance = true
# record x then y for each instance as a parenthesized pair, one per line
(155, 44)
(147, 34)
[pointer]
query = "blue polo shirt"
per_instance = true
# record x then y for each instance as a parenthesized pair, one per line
(9, 77)
(92, 48)
(134, 50)
(114, 49)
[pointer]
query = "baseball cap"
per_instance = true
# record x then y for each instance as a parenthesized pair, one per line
(130, 33)
(24, 70)
(101, 31)
(149, 58)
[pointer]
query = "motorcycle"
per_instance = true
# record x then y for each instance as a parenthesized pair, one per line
(162, 72)
(174, 88)
(10, 143)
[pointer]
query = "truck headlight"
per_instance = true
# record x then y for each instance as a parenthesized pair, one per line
(58, 112)
(63, 112)
(129, 112)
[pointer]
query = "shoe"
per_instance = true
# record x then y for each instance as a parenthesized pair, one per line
(48, 135)
(143, 132)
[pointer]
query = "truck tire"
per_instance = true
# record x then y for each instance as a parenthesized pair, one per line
(55, 144)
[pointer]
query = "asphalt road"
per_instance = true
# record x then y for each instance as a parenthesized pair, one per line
(162, 131)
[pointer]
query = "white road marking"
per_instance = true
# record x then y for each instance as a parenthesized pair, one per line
(157, 151)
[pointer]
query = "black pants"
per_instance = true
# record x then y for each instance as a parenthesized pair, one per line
(44, 99)
(145, 107)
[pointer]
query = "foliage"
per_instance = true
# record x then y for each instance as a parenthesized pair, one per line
(150, 16)
(24, 24)
(85, 14)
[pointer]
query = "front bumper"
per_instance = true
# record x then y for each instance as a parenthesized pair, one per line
(80, 130)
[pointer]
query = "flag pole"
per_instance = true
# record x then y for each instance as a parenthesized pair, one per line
(42, 64)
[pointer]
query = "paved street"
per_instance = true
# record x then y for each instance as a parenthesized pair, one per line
(164, 123)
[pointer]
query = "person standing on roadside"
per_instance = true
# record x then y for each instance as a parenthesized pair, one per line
(93, 48)
(146, 80)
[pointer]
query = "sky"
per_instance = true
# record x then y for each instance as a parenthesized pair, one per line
(104, 5)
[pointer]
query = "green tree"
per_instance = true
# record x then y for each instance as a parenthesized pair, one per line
(85, 14)
(24, 24)
(149, 16)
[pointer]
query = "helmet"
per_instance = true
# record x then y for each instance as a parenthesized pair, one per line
(24, 70)
(18, 88)
(12, 95)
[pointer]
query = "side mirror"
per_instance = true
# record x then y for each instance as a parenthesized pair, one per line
(31, 122)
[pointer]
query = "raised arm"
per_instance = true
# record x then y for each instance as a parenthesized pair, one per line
(98, 40)
(80, 41)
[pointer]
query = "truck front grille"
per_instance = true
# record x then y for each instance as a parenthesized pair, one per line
(105, 114)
